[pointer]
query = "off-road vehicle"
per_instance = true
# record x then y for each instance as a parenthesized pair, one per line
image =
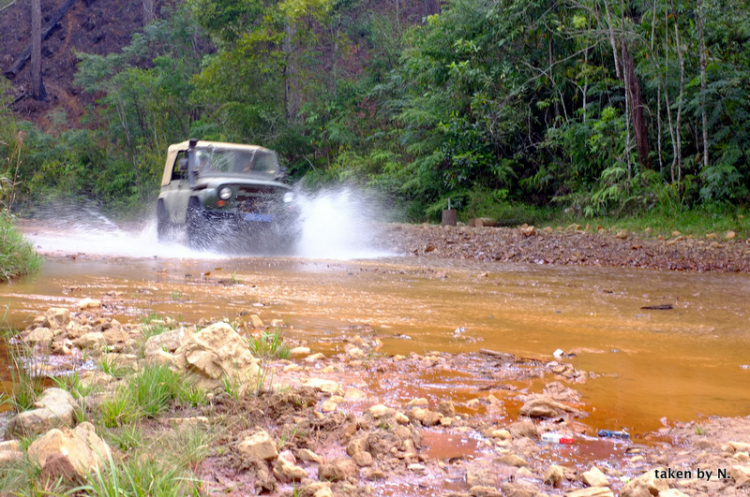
(225, 191)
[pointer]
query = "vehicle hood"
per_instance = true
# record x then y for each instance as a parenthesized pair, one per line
(216, 181)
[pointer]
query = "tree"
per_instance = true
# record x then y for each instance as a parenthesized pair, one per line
(37, 86)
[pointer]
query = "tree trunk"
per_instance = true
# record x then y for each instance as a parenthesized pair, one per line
(37, 88)
(149, 11)
(612, 39)
(681, 96)
(636, 108)
(702, 48)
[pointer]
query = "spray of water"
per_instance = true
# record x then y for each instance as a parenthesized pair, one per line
(334, 224)
(340, 223)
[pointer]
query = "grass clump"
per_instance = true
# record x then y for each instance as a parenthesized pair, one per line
(154, 388)
(139, 476)
(269, 344)
(17, 257)
(27, 376)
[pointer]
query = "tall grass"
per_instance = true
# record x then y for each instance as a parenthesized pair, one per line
(27, 376)
(17, 257)
(269, 345)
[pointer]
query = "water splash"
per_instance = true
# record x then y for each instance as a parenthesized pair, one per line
(340, 223)
(336, 224)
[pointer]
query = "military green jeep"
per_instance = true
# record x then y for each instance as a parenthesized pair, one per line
(218, 191)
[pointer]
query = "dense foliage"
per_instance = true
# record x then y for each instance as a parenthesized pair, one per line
(602, 106)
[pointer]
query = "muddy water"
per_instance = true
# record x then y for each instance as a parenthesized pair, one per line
(681, 363)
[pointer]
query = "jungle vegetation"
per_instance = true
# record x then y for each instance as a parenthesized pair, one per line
(594, 106)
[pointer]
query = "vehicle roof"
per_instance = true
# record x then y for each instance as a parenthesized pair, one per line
(202, 143)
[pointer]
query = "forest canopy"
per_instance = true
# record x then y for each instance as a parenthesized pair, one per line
(598, 106)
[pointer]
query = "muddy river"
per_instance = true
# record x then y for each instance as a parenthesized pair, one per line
(684, 363)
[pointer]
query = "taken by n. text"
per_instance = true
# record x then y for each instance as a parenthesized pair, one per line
(701, 474)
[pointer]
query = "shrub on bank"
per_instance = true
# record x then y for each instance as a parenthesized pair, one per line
(17, 257)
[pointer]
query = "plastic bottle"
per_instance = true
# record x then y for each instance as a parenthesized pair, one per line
(557, 438)
(614, 434)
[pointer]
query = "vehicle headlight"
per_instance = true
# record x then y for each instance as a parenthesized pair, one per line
(225, 193)
(288, 197)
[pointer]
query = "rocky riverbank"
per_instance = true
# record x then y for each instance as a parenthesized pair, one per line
(195, 409)
(572, 245)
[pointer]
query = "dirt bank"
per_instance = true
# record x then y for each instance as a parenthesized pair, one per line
(571, 246)
(331, 424)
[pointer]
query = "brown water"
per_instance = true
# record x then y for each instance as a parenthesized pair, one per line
(682, 363)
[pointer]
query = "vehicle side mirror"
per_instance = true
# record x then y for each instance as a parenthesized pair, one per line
(183, 164)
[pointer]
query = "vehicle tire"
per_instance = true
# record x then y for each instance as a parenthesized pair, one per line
(197, 229)
(163, 226)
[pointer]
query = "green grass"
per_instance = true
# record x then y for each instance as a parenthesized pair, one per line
(697, 222)
(269, 344)
(154, 388)
(27, 373)
(17, 256)
(139, 476)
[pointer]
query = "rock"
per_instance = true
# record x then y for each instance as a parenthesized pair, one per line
(379, 411)
(512, 460)
(309, 456)
(527, 231)
(554, 475)
(39, 335)
(91, 341)
(373, 474)
(299, 352)
(354, 394)
(362, 459)
(325, 386)
(217, 354)
(116, 335)
(69, 453)
(592, 492)
(8, 457)
(256, 321)
(324, 492)
(446, 408)
(401, 418)
(56, 317)
(332, 404)
(622, 235)
(339, 469)
(645, 485)
(480, 491)
(312, 488)
(286, 471)
(315, 357)
(672, 492)
(10, 445)
(519, 489)
(595, 478)
(55, 408)
(524, 429)
(544, 407)
(127, 361)
(739, 446)
(169, 341)
(499, 434)
(711, 236)
(420, 402)
(730, 235)
(425, 416)
(482, 476)
(89, 303)
(258, 446)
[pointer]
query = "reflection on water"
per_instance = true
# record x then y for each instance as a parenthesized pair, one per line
(680, 363)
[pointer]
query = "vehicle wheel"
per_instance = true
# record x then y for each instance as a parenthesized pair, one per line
(163, 226)
(197, 232)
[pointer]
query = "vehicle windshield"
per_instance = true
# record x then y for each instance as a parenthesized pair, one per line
(211, 161)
